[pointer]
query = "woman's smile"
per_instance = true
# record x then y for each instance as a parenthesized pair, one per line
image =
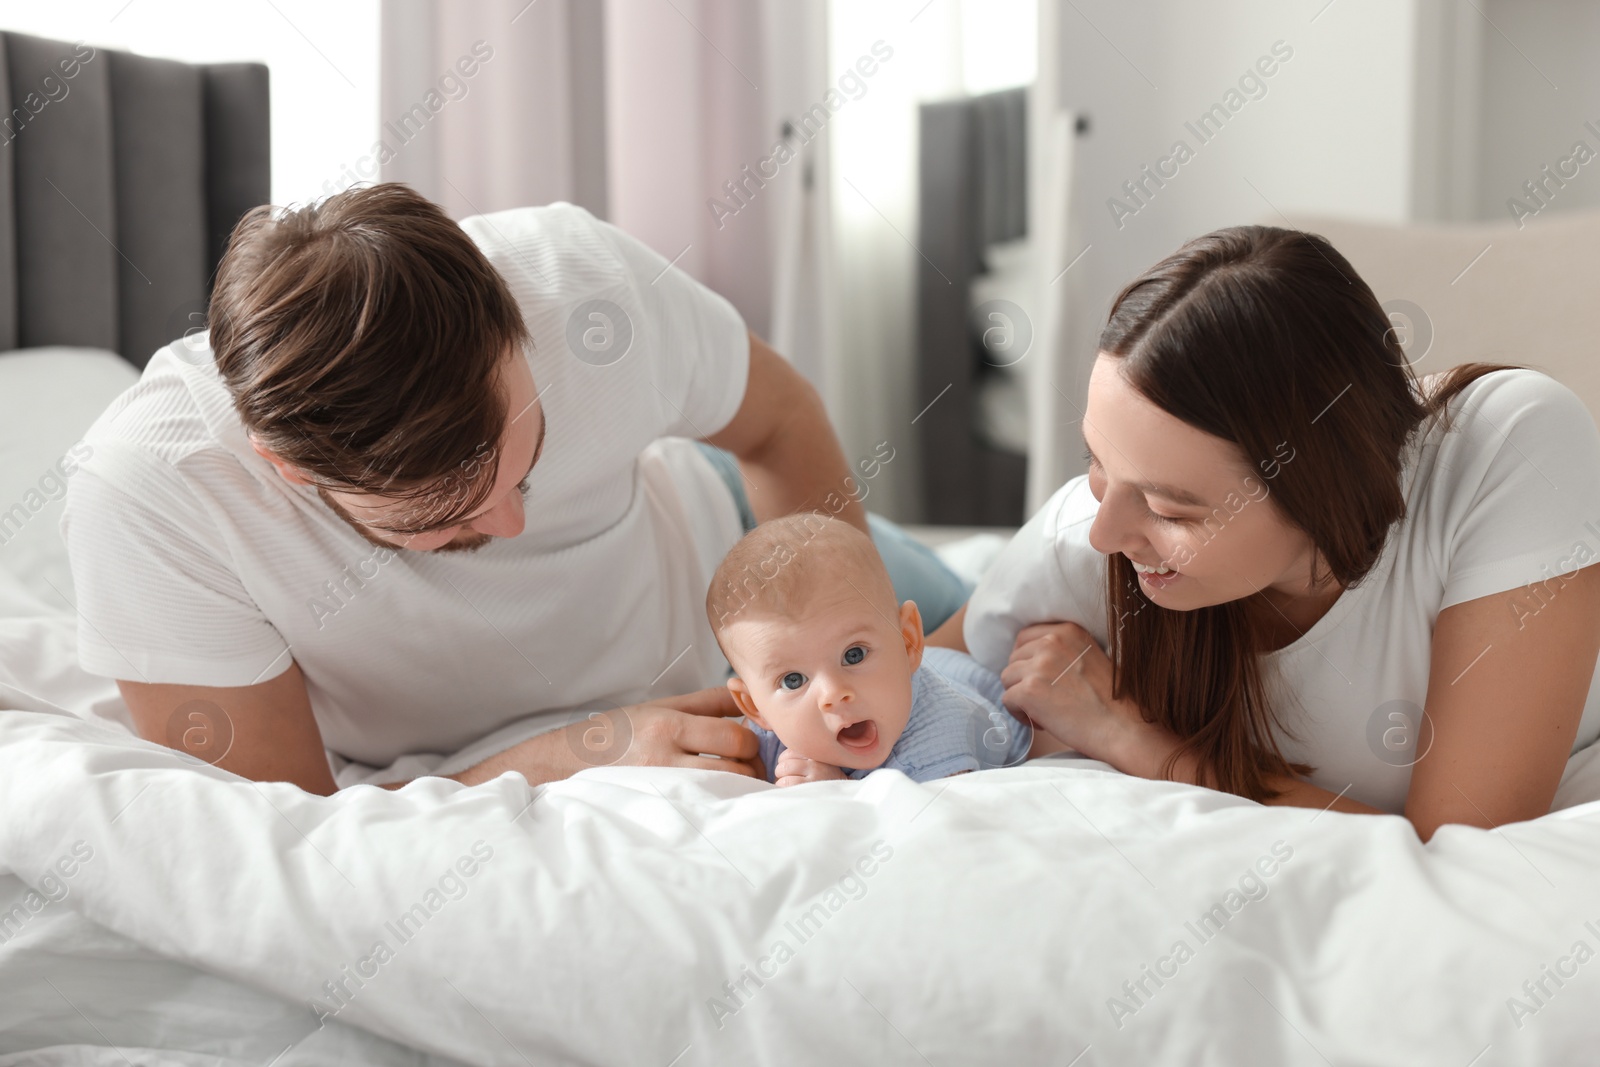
(1158, 581)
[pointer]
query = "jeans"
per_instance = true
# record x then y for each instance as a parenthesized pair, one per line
(917, 574)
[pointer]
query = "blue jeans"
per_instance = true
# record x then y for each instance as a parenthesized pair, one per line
(916, 572)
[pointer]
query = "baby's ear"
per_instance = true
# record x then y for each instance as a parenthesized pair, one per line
(911, 630)
(745, 702)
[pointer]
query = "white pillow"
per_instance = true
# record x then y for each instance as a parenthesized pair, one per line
(48, 398)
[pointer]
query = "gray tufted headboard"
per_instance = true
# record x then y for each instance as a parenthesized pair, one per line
(121, 177)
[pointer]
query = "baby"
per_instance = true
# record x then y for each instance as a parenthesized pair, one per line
(832, 673)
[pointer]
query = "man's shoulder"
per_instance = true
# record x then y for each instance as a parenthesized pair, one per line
(505, 226)
(558, 249)
(165, 422)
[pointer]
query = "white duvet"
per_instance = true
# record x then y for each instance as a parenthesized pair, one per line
(1055, 913)
(155, 910)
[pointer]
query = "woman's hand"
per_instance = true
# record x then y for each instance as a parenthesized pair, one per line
(1060, 680)
(793, 769)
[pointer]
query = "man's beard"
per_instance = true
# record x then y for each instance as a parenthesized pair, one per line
(477, 541)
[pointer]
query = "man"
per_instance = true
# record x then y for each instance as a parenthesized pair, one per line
(423, 480)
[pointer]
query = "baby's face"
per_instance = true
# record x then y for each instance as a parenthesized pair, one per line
(833, 683)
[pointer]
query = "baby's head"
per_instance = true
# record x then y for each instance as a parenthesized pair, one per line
(823, 655)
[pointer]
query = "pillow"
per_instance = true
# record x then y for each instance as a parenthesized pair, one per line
(48, 398)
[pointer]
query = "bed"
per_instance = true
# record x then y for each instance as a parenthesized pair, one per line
(157, 910)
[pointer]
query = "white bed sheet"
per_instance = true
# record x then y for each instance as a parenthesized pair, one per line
(48, 398)
(989, 918)
(1002, 917)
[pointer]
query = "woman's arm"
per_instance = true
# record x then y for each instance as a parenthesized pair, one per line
(1297, 793)
(1507, 683)
(1143, 749)
(1060, 679)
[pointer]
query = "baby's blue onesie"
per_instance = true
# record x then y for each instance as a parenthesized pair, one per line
(957, 723)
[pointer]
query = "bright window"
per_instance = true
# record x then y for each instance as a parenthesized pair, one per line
(323, 59)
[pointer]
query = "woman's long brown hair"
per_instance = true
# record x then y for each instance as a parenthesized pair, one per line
(1268, 339)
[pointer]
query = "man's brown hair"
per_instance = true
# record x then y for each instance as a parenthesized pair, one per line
(360, 338)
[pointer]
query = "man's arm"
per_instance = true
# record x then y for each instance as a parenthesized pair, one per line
(952, 633)
(267, 733)
(786, 446)
(264, 732)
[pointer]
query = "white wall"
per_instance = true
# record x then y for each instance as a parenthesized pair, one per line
(1389, 110)
(1328, 132)
(323, 59)
(1541, 84)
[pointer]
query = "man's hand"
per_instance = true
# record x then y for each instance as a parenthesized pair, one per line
(691, 731)
(794, 769)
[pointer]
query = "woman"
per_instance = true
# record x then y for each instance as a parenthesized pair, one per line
(1379, 593)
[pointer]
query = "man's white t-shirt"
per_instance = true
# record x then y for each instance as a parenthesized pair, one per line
(1509, 497)
(196, 563)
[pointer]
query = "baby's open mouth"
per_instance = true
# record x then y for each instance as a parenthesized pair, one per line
(859, 735)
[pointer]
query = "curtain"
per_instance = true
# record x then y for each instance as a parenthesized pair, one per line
(494, 104)
(873, 228)
(804, 317)
(1067, 312)
(687, 126)
(738, 138)
(657, 115)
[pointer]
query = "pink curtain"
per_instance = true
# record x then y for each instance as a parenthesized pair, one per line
(655, 114)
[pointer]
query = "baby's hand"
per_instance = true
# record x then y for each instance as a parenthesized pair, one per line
(796, 770)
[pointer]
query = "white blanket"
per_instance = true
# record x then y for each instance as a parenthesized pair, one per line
(157, 911)
(1054, 913)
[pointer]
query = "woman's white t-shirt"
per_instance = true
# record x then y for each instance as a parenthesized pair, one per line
(1508, 498)
(196, 563)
